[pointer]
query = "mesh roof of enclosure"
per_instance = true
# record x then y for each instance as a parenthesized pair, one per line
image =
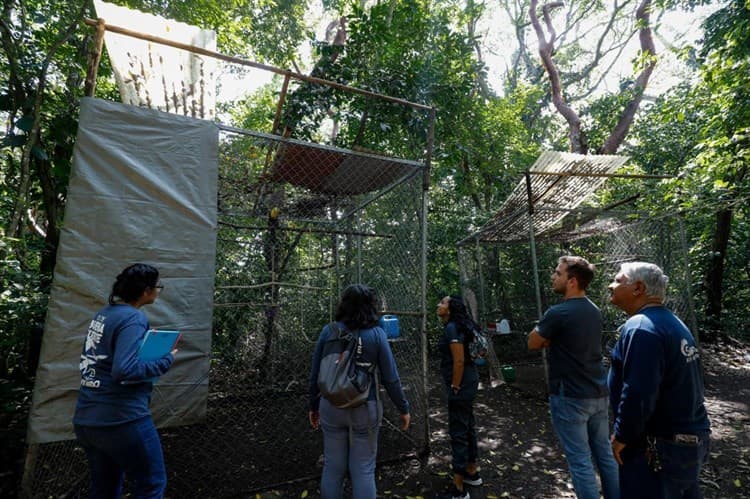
(336, 171)
(560, 182)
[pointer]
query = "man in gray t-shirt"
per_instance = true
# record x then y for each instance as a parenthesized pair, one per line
(572, 333)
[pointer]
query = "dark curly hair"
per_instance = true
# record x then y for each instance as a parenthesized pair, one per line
(133, 281)
(358, 307)
(459, 315)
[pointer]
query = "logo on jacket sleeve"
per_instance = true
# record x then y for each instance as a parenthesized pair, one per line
(689, 351)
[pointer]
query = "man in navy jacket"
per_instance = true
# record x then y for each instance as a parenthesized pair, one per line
(661, 428)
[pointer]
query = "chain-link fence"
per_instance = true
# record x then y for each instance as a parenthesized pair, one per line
(501, 275)
(285, 255)
(297, 223)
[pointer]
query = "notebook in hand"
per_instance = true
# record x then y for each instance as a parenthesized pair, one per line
(157, 343)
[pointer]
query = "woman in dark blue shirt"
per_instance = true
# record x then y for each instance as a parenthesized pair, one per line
(112, 419)
(461, 382)
(350, 436)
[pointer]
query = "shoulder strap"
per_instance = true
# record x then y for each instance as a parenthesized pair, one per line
(338, 334)
(334, 328)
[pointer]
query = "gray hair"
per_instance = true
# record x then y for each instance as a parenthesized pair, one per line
(650, 275)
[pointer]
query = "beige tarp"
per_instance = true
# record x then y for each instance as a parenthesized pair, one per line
(143, 189)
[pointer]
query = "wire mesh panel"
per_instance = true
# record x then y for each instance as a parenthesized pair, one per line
(501, 275)
(286, 250)
(294, 229)
(656, 240)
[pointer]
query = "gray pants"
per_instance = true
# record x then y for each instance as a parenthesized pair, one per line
(350, 443)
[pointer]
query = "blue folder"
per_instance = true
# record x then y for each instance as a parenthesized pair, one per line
(157, 343)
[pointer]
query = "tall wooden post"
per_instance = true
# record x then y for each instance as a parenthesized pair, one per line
(95, 56)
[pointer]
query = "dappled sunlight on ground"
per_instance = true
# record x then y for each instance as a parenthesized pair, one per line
(521, 458)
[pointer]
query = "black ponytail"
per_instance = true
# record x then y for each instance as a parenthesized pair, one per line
(459, 314)
(133, 281)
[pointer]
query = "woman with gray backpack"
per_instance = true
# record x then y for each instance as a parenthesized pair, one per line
(344, 399)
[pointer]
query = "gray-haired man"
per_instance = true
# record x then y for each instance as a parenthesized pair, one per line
(661, 427)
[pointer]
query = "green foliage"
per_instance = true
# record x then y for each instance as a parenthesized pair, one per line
(41, 74)
(667, 132)
(263, 30)
(701, 133)
(719, 173)
(22, 308)
(415, 52)
(410, 53)
(601, 115)
(257, 111)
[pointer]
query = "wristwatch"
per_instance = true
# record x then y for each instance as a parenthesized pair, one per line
(455, 388)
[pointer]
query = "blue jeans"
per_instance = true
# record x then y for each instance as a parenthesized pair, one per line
(678, 478)
(582, 426)
(350, 443)
(131, 449)
(637, 481)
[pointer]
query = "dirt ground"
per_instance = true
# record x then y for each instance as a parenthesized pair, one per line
(520, 457)
(519, 454)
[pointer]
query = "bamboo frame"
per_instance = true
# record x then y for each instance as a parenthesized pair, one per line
(95, 57)
(309, 230)
(605, 175)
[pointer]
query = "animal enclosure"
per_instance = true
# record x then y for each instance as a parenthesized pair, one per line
(506, 265)
(304, 209)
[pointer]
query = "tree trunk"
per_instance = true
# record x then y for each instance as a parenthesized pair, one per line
(648, 52)
(577, 137)
(715, 271)
(52, 208)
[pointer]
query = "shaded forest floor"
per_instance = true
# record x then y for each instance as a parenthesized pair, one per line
(520, 456)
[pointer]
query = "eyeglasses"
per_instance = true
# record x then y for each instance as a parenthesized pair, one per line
(160, 287)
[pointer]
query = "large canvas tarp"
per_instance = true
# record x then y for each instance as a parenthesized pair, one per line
(143, 189)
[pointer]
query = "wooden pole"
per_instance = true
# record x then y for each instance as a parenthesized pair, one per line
(245, 62)
(280, 105)
(29, 465)
(95, 56)
(605, 175)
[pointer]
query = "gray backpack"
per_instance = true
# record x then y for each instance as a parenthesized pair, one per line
(478, 346)
(344, 379)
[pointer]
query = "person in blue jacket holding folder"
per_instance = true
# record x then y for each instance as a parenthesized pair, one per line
(112, 419)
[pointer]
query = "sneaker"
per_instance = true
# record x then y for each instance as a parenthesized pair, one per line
(473, 479)
(454, 493)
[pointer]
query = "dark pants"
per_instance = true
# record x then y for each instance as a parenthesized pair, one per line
(462, 429)
(131, 449)
(681, 468)
(678, 478)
